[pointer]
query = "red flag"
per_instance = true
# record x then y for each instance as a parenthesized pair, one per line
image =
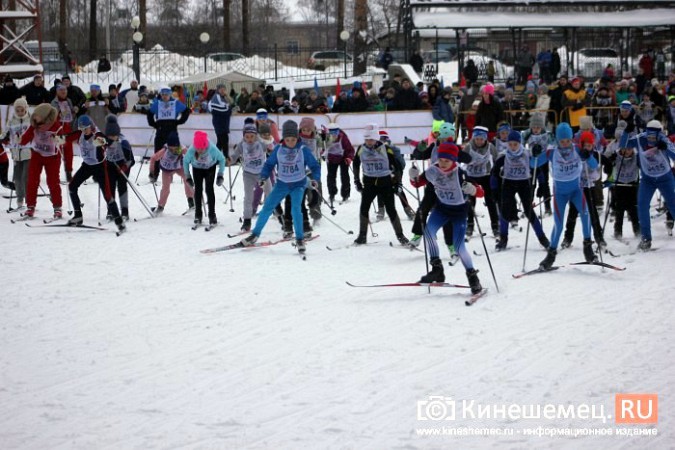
(337, 89)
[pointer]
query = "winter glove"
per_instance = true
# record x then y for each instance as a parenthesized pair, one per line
(469, 188)
(540, 192)
(662, 145)
(414, 173)
(358, 185)
(262, 182)
(578, 105)
(585, 154)
(407, 140)
(397, 188)
(152, 178)
(348, 161)
(220, 180)
(190, 182)
(99, 141)
(536, 150)
(59, 140)
(314, 185)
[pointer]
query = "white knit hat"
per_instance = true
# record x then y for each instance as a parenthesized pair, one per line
(371, 131)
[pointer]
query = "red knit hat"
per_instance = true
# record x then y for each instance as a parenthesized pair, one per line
(448, 150)
(587, 138)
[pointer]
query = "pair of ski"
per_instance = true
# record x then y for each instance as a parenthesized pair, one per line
(470, 301)
(208, 227)
(582, 263)
(256, 245)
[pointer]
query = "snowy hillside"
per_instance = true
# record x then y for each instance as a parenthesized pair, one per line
(143, 342)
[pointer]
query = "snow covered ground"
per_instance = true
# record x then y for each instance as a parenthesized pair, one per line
(143, 342)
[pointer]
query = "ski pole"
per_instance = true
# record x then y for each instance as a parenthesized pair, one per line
(11, 192)
(611, 192)
(138, 194)
(230, 195)
(372, 232)
(336, 225)
(482, 239)
(229, 174)
(145, 156)
(99, 206)
(419, 216)
(590, 205)
(326, 202)
(528, 216)
(154, 188)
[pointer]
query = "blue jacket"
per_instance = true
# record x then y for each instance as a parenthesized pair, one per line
(442, 110)
(212, 153)
(221, 111)
(310, 162)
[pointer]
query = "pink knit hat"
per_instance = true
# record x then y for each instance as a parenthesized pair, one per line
(489, 89)
(201, 140)
(307, 122)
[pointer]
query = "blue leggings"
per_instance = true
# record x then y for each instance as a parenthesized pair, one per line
(278, 193)
(439, 216)
(561, 197)
(648, 185)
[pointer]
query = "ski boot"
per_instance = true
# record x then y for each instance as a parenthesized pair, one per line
(58, 213)
(380, 215)
(566, 243)
(402, 239)
(121, 228)
(495, 231)
(125, 213)
(645, 245)
(469, 230)
(344, 198)
(543, 240)
(213, 220)
(436, 274)
(415, 241)
(307, 230)
(246, 226)
(474, 282)
(602, 245)
(30, 211)
(249, 240)
(360, 240)
(197, 221)
(159, 210)
(191, 203)
(287, 234)
(76, 220)
(547, 262)
(300, 245)
(589, 254)
(409, 212)
(501, 243)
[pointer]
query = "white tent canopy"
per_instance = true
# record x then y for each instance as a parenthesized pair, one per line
(443, 18)
(233, 79)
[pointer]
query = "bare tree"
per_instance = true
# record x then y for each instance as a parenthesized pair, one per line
(244, 27)
(226, 25)
(340, 19)
(142, 14)
(360, 35)
(93, 25)
(63, 25)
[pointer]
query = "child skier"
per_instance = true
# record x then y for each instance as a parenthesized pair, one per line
(339, 154)
(17, 125)
(511, 176)
(252, 153)
(566, 165)
(451, 206)
(624, 185)
(655, 152)
(588, 178)
(164, 115)
(483, 154)
(538, 140)
(204, 156)
(502, 138)
(311, 139)
(68, 120)
(92, 148)
(120, 158)
(379, 179)
(290, 159)
(384, 137)
(45, 134)
(170, 160)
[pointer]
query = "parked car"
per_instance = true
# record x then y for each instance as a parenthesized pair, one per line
(431, 56)
(590, 62)
(321, 60)
(225, 56)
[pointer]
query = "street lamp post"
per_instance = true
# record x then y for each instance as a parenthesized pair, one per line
(137, 37)
(344, 37)
(205, 38)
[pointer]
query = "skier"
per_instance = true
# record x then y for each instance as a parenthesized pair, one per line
(290, 159)
(483, 154)
(164, 115)
(252, 153)
(262, 119)
(170, 160)
(379, 179)
(502, 138)
(67, 118)
(120, 157)
(655, 152)
(16, 126)
(384, 137)
(566, 165)
(45, 133)
(204, 156)
(451, 207)
(588, 178)
(310, 138)
(92, 145)
(538, 140)
(624, 182)
(220, 107)
(511, 175)
(339, 154)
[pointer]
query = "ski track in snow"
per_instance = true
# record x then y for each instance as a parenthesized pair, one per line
(140, 341)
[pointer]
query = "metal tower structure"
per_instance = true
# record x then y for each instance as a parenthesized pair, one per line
(17, 25)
